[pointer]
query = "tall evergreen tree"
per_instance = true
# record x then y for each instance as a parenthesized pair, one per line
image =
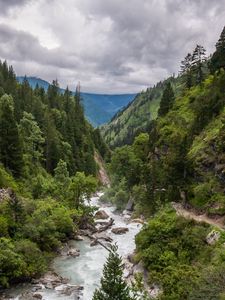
(167, 100)
(113, 286)
(198, 59)
(186, 71)
(218, 58)
(10, 148)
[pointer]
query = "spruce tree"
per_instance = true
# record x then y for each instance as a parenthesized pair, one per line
(10, 147)
(186, 71)
(218, 58)
(113, 286)
(167, 100)
(198, 59)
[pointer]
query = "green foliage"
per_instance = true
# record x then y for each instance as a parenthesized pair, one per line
(10, 148)
(11, 263)
(167, 100)
(218, 58)
(113, 285)
(41, 135)
(138, 115)
(81, 188)
(174, 252)
(48, 225)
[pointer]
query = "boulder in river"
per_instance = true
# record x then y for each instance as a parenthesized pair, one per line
(37, 296)
(73, 252)
(120, 230)
(101, 214)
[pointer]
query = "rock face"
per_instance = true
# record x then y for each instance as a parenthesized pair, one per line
(101, 214)
(213, 237)
(120, 230)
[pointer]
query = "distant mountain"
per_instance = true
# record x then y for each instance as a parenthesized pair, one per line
(136, 116)
(99, 108)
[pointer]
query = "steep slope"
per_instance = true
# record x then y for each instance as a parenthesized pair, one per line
(136, 116)
(98, 108)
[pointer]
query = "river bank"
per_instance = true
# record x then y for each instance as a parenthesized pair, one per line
(77, 276)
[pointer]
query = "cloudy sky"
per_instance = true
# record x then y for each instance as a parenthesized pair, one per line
(110, 46)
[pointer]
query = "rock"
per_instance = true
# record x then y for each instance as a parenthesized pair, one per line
(140, 221)
(127, 217)
(120, 230)
(73, 252)
(94, 243)
(101, 214)
(213, 237)
(102, 223)
(51, 280)
(69, 289)
(4, 194)
(130, 205)
(131, 258)
(103, 236)
(37, 296)
(27, 296)
(78, 238)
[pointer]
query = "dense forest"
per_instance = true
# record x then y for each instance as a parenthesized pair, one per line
(47, 167)
(179, 159)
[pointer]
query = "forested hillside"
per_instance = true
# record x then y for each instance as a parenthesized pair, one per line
(98, 108)
(137, 115)
(180, 158)
(47, 167)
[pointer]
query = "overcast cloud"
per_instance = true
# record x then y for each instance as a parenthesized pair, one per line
(110, 46)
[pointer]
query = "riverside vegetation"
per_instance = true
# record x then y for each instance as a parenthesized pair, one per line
(178, 157)
(47, 167)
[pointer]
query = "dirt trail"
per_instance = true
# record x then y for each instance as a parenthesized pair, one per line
(103, 176)
(188, 214)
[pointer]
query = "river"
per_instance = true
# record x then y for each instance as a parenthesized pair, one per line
(86, 269)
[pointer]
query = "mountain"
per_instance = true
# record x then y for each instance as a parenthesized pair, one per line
(137, 115)
(99, 108)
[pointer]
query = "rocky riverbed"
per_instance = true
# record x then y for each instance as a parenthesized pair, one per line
(76, 273)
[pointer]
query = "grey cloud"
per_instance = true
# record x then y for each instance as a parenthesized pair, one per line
(5, 5)
(144, 42)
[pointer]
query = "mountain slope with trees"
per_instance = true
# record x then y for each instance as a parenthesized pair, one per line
(98, 108)
(137, 116)
(47, 168)
(180, 158)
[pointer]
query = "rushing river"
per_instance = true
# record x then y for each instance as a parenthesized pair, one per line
(86, 270)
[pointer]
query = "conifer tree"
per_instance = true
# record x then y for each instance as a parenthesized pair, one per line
(218, 58)
(186, 71)
(10, 147)
(198, 59)
(167, 100)
(113, 286)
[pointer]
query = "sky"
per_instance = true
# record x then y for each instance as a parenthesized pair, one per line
(110, 46)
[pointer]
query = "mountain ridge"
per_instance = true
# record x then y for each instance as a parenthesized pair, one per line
(99, 108)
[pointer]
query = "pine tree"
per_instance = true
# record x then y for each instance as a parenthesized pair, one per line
(218, 58)
(10, 147)
(167, 100)
(198, 59)
(186, 71)
(113, 286)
